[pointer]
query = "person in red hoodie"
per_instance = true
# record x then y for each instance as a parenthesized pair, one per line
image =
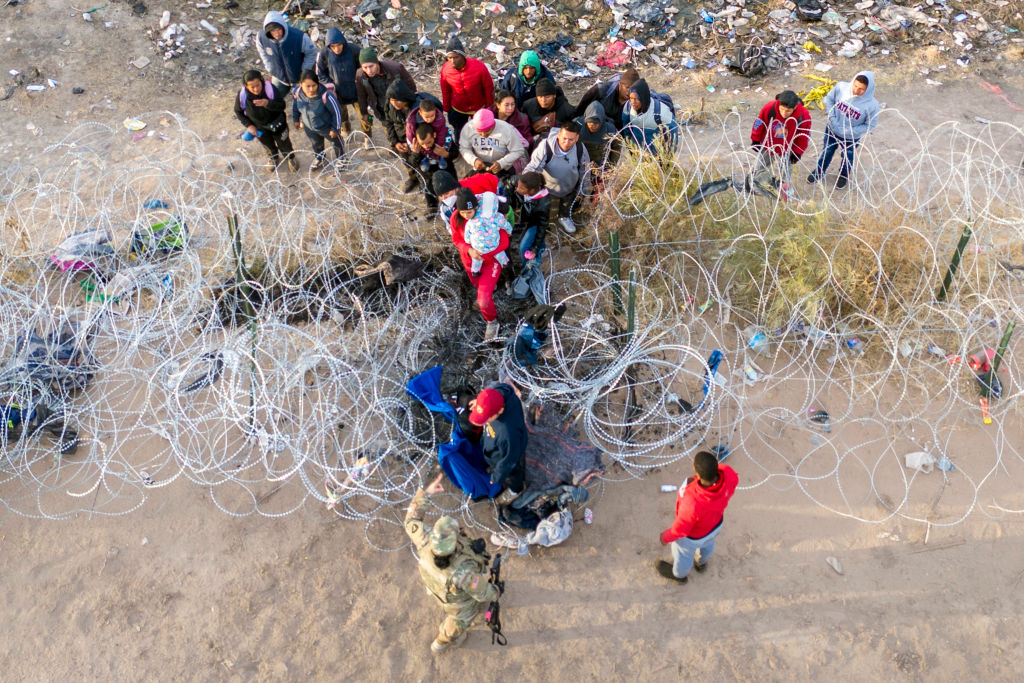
(699, 509)
(781, 133)
(466, 85)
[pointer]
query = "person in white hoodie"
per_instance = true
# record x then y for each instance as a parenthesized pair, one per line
(490, 145)
(852, 113)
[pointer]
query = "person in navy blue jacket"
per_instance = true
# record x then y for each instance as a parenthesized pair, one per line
(336, 67)
(500, 412)
(315, 110)
(285, 50)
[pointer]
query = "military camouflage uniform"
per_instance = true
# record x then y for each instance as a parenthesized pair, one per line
(461, 587)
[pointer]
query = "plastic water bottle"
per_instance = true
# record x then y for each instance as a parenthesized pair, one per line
(706, 16)
(751, 374)
(721, 452)
(937, 351)
(855, 345)
(669, 488)
(588, 515)
(756, 339)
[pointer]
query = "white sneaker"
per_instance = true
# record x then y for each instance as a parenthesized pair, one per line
(567, 224)
(506, 497)
(491, 332)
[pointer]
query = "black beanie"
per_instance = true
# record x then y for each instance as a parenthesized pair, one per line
(455, 45)
(545, 87)
(465, 199)
(444, 182)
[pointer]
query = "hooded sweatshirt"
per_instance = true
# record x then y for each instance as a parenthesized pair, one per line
(338, 70)
(698, 509)
(504, 145)
(654, 118)
(563, 171)
(780, 136)
(851, 117)
(597, 144)
(515, 82)
(287, 58)
(320, 114)
(467, 90)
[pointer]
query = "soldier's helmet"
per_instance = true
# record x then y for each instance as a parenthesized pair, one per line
(443, 536)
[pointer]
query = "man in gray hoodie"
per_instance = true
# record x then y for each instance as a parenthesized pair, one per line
(852, 113)
(563, 162)
(285, 50)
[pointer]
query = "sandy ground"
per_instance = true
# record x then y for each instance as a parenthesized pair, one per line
(179, 590)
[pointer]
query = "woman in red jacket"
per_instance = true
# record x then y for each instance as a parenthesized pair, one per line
(781, 133)
(466, 85)
(468, 206)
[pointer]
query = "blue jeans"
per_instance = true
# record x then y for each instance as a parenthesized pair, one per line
(684, 549)
(526, 243)
(832, 143)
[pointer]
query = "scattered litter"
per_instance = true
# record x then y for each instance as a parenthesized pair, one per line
(834, 563)
(920, 461)
(140, 62)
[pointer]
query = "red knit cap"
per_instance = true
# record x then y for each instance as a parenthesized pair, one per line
(489, 403)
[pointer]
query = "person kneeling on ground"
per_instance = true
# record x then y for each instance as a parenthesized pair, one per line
(781, 133)
(315, 110)
(260, 108)
(453, 568)
(475, 217)
(852, 114)
(700, 507)
(500, 412)
(563, 163)
(489, 145)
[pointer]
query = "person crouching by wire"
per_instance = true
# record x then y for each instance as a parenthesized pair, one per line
(453, 568)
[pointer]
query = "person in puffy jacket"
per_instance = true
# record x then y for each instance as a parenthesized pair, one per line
(549, 109)
(522, 81)
(336, 67)
(466, 85)
(285, 50)
(700, 509)
(260, 107)
(852, 113)
(781, 133)
(316, 111)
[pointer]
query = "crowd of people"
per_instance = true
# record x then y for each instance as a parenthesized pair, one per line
(519, 140)
(495, 161)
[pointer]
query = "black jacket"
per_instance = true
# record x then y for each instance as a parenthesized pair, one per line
(394, 119)
(607, 93)
(561, 112)
(531, 213)
(504, 439)
(269, 118)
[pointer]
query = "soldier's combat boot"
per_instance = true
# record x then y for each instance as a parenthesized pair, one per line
(438, 647)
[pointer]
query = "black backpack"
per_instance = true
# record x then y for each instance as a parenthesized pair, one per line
(809, 10)
(754, 60)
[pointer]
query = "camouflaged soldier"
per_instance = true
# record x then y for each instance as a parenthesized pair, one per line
(452, 571)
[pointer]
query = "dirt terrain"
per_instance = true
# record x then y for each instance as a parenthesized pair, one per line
(178, 590)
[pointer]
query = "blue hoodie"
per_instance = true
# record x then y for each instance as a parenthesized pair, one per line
(340, 70)
(287, 58)
(851, 117)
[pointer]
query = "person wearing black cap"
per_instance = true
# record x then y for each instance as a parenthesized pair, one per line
(372, 80)
(260, 108)
(781, 133)
(466, 86)
(483, 185)
(549, 109)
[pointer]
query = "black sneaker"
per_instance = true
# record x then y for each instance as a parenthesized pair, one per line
(812, 178)
(841, 182)
(665, 569)
(700, 567)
